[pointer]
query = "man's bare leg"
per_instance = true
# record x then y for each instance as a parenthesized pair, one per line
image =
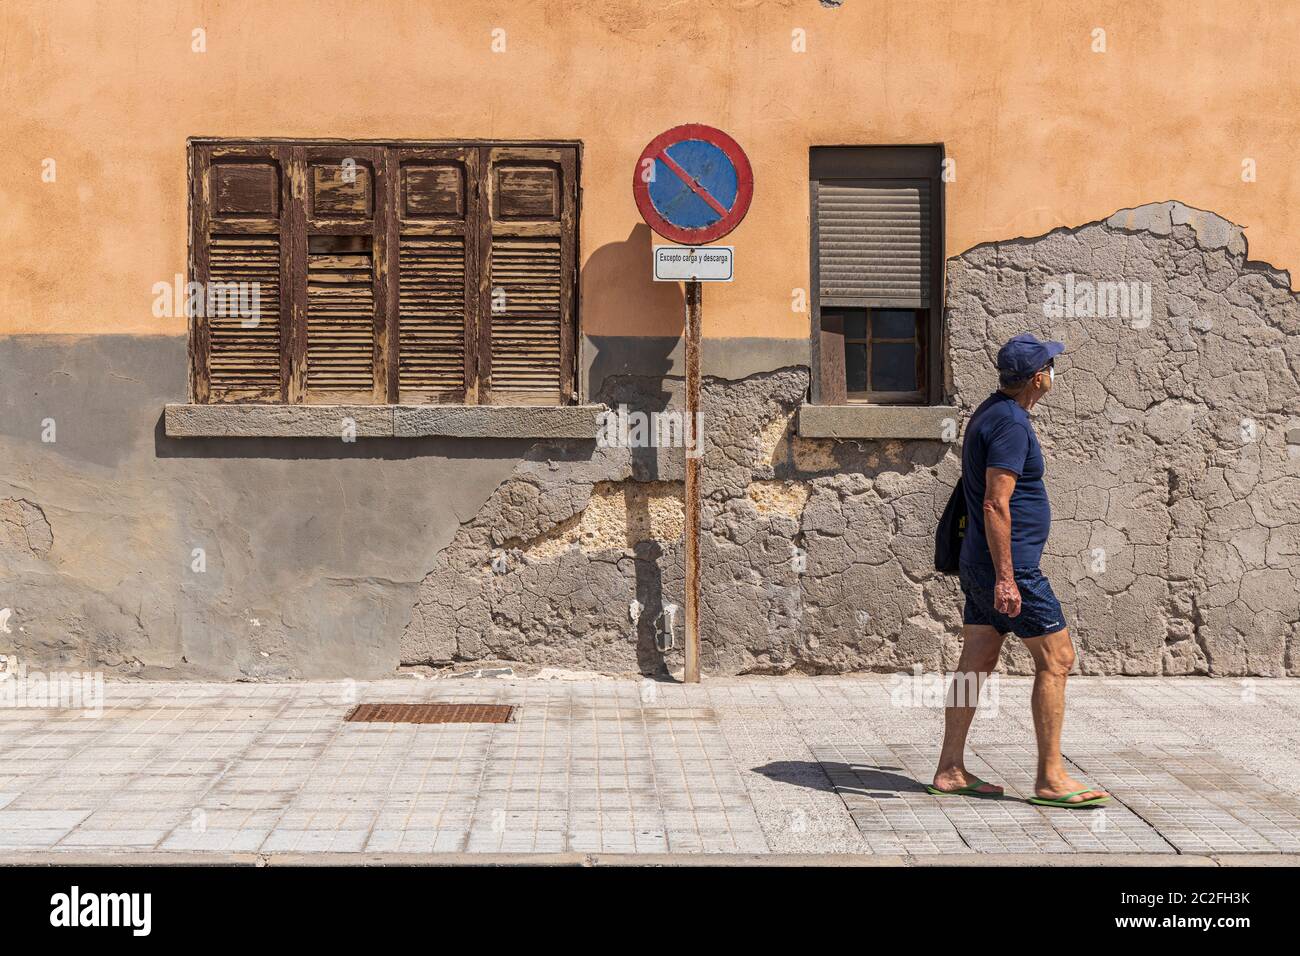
(981, 645)
(1053, 657)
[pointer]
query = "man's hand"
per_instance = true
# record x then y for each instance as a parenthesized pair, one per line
(998, 486)
(1006, 597)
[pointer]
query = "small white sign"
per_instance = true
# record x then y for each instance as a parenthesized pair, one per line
(694, 263)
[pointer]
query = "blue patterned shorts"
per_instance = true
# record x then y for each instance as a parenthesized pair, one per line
(1040, 611)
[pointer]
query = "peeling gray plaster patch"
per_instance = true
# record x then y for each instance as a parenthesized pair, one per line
(1176, 538)
(1212, 230)
(772, 556)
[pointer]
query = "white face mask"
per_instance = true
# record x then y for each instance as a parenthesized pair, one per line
(1051, 374)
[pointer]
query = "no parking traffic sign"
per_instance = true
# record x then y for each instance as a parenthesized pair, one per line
(693, 184)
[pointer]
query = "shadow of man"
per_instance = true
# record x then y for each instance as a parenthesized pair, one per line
(862, 779)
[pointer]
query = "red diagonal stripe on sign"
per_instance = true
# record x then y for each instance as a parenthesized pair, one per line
(689, 180)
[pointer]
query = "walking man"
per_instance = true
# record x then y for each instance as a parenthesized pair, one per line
(1002, 475)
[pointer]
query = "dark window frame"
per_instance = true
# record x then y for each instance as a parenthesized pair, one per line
(384, 160)
(829, 385)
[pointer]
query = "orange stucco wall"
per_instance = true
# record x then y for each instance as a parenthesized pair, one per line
(1044, 131)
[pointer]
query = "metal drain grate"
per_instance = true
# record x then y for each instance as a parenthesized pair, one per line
(430, 713)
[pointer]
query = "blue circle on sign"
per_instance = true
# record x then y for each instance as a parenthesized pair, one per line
(710, 167)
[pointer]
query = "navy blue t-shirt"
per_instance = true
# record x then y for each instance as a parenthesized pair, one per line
(1000, 435)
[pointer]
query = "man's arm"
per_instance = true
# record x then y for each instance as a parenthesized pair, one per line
(998, 485)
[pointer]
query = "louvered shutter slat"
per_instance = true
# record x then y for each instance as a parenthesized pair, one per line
(340, 322)
(245, 349)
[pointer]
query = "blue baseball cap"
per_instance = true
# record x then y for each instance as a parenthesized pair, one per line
(1024, 356)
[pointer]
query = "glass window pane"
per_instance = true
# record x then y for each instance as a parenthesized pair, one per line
(893, 324)
(855, 366)
(855, 324)
(893, 367)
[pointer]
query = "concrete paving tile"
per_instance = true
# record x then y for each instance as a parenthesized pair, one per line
(308, 841)
(216, 840)
(18, 820)
(137, 839)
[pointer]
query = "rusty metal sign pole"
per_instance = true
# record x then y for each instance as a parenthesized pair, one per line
(692, 491)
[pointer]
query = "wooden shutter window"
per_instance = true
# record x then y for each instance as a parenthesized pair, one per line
(235, 259)
(874, 243)
(437, 209)
(343, 357)
(385, 272)
(528, 242)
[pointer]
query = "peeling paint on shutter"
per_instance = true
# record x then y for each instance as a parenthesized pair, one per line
(436, 213)
(874, 243)
(345, 197)
(235, 260)
(529, 246)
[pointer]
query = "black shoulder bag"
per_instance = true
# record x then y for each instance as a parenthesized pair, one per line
(951, 532)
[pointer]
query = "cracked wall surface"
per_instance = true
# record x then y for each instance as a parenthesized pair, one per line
(1175, 493)
(1176, 498)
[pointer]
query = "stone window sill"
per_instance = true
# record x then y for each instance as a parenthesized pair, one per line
(913, 422)
(382, 421)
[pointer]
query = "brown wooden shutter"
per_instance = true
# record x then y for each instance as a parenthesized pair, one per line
(237, 197)
(527, 245)
(874, 243)
(342, 353)
(436, 217)
(386, 272)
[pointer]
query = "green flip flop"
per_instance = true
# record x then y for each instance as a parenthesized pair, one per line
(970, 790)
(1065, 801)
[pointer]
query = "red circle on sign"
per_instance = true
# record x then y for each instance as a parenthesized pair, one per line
(730, 219)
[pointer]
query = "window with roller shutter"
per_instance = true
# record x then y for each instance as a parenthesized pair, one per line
(877, 261)
(388, 272)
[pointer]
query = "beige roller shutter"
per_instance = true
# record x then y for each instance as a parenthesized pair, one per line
(874, 242)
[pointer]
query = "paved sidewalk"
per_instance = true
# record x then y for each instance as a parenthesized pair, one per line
(591, 769)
